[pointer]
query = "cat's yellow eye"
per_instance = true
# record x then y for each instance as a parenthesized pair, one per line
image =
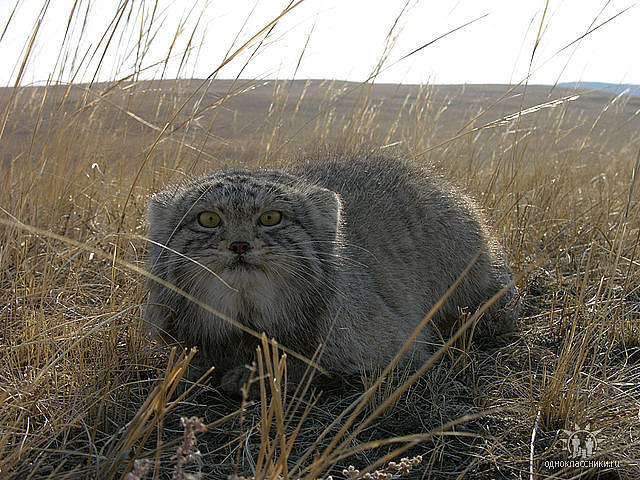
(209, 219)
(270, 218)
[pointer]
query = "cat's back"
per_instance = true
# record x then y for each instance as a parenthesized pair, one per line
(357, 178)
(413, 231)
(388, 200)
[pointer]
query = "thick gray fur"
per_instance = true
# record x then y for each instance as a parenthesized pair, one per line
(366, 246)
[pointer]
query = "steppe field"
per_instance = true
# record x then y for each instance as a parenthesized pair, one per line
(86, 394)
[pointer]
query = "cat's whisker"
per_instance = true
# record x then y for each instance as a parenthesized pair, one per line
(311, 285)
(336, 243)
(329, 258)
(179, 254)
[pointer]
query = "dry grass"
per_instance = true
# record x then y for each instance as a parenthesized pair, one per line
(83, 393)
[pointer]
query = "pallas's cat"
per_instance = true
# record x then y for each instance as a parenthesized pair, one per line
(349, 253)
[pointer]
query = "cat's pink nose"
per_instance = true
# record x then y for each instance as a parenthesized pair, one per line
(239, 247)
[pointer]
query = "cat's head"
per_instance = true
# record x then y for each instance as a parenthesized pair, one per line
(238, 227)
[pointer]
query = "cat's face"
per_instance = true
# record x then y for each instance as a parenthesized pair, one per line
(253, 234)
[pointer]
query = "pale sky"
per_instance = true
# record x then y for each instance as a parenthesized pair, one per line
(345, 39)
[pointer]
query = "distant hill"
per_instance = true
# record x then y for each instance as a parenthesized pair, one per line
(231, 119)
(627, 88)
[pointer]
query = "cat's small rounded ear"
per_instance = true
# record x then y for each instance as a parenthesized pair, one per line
(328, 210)
(159, 203)
(160, 219)
(162, 198)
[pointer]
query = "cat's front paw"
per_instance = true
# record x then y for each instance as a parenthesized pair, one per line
(243, 376)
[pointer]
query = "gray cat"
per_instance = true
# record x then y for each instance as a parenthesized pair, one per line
(349, 253)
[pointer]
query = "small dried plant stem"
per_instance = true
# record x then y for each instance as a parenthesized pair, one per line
(245, 395)
(532, 445)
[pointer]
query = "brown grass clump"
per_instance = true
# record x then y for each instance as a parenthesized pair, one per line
(84, 393)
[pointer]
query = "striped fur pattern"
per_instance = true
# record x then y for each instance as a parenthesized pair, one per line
(363, 248)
